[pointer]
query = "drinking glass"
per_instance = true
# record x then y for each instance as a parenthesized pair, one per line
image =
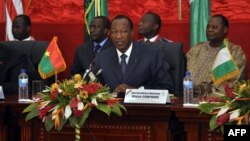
(37, 87)
(204, 90)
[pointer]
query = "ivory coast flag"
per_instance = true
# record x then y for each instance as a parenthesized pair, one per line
(224, 66)
(52, 61)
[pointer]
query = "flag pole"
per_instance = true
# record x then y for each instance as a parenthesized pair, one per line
(179, 10)
(55, 75)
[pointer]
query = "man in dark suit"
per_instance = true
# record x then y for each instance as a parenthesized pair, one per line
(142, 65)
(84, 55)
(11, 62)
(149, 27)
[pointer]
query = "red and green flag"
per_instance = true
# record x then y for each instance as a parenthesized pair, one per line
(52, 61)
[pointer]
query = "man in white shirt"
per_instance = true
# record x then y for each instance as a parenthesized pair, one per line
(149, 27)
(21, 28)
(130, 64)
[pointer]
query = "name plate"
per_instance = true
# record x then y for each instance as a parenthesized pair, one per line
(146, 96)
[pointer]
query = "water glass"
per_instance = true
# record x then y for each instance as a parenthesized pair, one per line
(37, 87)
(204, 90)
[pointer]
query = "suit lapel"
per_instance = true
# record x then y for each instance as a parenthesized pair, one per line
(107, 44)
(115, 65)
(88, 55)
(133, 61)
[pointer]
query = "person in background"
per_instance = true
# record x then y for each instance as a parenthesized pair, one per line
(131, 64)
(11, 62)
(85, 54)
(202, 56)
(149, 27)
(21, 28)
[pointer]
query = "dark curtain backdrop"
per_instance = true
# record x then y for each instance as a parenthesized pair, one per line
(65, 18)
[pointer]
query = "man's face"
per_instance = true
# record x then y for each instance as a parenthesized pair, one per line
(97, 30)
(215, 30)
(121, 34)
(19, 30)
(146, 25)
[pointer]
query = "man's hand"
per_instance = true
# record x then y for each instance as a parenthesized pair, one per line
(122, 88)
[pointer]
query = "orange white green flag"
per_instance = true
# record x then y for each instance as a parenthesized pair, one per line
(52, 61)
(224, 67)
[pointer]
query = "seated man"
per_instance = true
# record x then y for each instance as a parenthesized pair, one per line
(21, 28)
(131, 64)
(201, 57)
(149, 27)
(11, 62)
(84, 54)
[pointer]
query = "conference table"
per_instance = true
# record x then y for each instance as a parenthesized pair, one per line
(140, 123)
(196, 124)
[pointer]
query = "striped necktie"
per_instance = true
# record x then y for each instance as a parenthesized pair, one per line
(96, 49)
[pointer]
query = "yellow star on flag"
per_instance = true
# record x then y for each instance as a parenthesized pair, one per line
(47, 53)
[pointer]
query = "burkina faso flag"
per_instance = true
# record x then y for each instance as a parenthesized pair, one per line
(52, 61)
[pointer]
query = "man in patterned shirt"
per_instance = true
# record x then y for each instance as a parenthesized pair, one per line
(202, 56)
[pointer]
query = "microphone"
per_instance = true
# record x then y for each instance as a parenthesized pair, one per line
(85, 73)
(92, 61)
(89, 72)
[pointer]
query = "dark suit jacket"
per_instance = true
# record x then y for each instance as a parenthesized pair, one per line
(146, 67)
(84, 57)
(174, 55)
(11, 62)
